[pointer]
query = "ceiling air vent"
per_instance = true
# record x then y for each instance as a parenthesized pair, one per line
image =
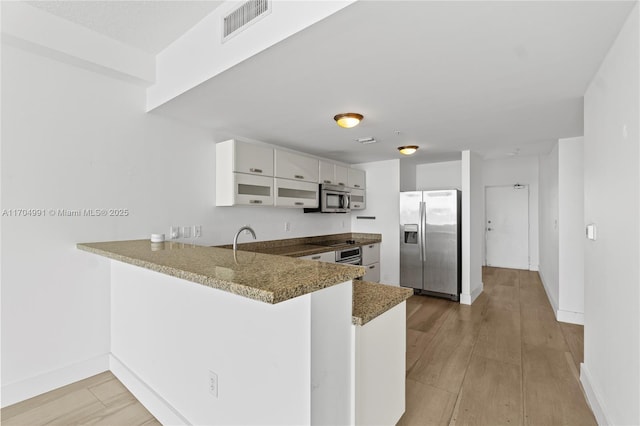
(244, 16)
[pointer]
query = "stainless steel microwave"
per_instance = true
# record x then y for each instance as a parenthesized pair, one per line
(333, 199)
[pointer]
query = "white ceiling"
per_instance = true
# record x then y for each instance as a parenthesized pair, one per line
(148, 25)
(494, 77)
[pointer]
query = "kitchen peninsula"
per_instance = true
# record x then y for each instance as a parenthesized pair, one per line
(199, 334)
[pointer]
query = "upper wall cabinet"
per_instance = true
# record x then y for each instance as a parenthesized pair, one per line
(245, 157)
(244, 174)
(333, 173)
(294, 166)
(356, 179)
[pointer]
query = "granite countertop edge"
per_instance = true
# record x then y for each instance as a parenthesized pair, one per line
(370, 300)
(262, 295)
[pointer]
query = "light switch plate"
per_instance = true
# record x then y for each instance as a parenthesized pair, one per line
(592, 231)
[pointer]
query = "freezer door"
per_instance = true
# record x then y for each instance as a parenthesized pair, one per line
(411, 248)
(441, 243)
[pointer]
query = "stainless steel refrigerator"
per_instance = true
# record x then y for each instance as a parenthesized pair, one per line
(430, 249)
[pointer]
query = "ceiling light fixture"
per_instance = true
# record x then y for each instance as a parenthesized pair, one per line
(348, 119)
(408, 149)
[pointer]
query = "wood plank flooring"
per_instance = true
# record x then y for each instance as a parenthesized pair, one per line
(505, 360)
(98, 400)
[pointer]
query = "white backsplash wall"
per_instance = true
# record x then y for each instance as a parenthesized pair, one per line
(74, 139)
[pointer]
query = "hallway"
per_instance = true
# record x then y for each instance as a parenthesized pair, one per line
(503, 360)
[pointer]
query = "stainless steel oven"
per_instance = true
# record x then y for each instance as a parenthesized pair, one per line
(350, 256)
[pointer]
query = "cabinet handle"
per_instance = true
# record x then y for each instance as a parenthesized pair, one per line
(327, 181)
(340, 183)
(298, 203)
(252, 170)
(299, 177)
(315, 257)
(356, 206)
(372, 267)
(255, 201)
(356, 186)
(371, 246)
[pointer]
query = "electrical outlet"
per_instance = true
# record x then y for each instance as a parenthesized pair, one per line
(197, 231)
(213, 384)
(287, 226)
(174, 232)
(186, 232)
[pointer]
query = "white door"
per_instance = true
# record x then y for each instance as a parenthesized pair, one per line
(507, 226)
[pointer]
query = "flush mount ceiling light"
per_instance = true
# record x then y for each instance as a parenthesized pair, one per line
(348, 119)
(408, 149)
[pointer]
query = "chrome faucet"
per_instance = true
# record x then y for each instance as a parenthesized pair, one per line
(235, 238)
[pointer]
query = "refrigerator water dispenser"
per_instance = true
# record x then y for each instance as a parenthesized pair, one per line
(410, 234)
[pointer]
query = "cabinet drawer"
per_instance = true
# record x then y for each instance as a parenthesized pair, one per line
(370, 254)
(253, 190)
(329, 257)
(372, 272)
(292, 193)
(296, 167)
(358, 201)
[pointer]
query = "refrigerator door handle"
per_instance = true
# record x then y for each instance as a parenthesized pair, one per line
(423, 231)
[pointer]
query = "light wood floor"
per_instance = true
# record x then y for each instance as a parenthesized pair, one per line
(505, 360)
(98, 400)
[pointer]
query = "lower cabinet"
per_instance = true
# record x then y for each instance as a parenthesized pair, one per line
(329, 257)
(373, 272)
(371, 261)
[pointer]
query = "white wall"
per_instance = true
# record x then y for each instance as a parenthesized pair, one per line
(74, 139)
(472, 226)
(445, 175)
(383, 202)
(549, 245)
(611, 369)
(571, 230)
(522, 170)
(407, 175)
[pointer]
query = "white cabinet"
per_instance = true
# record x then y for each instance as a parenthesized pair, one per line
(245, 190)
(333, 173)
(293, 193)
(372, 273)
(358, 201)
(342, 175)
(371, 262)
(327, 172)
(329, 257)
(356, 178)
(243, 157)
(244, 174)
(289, 165)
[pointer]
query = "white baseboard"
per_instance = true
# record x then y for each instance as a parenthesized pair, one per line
(570, 317)
(158, 406)
(534, 267)
(554, 303)
(468, 299)
(594, 396)
(36, 385)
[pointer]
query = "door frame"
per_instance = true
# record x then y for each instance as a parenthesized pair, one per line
(528, 188)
